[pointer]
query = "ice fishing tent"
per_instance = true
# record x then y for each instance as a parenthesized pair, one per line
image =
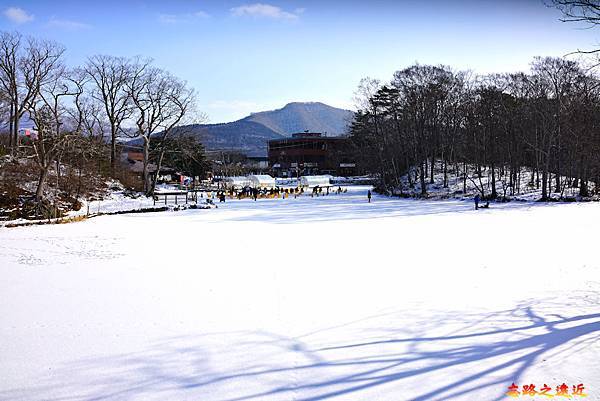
(312, 181)
(262, 181)
(236, 182)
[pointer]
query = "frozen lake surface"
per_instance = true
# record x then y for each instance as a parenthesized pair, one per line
(303, 299)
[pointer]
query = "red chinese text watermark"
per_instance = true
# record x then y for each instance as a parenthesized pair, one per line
(531, 390)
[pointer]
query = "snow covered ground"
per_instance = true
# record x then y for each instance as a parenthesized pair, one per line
(526, 188)
(303, 299)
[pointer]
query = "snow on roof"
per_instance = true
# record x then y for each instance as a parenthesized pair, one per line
(314, 180)
(237, 180)
(262, 180)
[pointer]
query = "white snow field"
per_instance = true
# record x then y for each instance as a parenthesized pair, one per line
(304, 299)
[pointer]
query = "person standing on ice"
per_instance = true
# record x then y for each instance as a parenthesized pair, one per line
(369, 195)
(476, 200)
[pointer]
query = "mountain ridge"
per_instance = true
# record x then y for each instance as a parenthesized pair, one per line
(300, 116)
(251, 133)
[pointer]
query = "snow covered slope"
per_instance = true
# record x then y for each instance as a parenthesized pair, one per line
(526, 187)
(303, 299)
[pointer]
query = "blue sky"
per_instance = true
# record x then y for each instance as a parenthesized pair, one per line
(245, 56)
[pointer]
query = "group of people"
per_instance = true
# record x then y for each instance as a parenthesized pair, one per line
(318, 191)
(284, 193)
(276, 192)
(255, 193)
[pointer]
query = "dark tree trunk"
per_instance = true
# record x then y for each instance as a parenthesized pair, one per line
(494, 193)
(41, 182)
(422, 174)
(445, 174)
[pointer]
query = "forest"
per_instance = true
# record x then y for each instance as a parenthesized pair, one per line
(545, 121)
(77, 118)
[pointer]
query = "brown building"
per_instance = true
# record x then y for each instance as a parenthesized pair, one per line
(310, 153)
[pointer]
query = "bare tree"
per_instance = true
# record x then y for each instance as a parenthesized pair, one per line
(367, 88)
(545, 121)
(161, 102)
(586, 11)
(23, 71)
(50, 112)
(10, 46)
(5, 106)
(579, 10)
(110, 76)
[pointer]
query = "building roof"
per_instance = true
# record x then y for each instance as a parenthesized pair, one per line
(305, 139)
(316, 180)
(262, 179)
(307, 135)
(237, 181)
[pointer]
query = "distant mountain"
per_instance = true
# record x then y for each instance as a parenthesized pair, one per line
(247, 136)
(299, 117)
(250, 134)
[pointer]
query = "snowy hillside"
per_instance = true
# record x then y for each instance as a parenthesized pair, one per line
(527, 186)
(303, 299)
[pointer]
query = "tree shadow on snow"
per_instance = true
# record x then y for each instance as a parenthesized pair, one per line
(445, 356)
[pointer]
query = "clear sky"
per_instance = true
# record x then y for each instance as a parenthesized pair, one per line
(245, 56)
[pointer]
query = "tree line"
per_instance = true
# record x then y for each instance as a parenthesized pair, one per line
(81, 113)
(546, 121)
